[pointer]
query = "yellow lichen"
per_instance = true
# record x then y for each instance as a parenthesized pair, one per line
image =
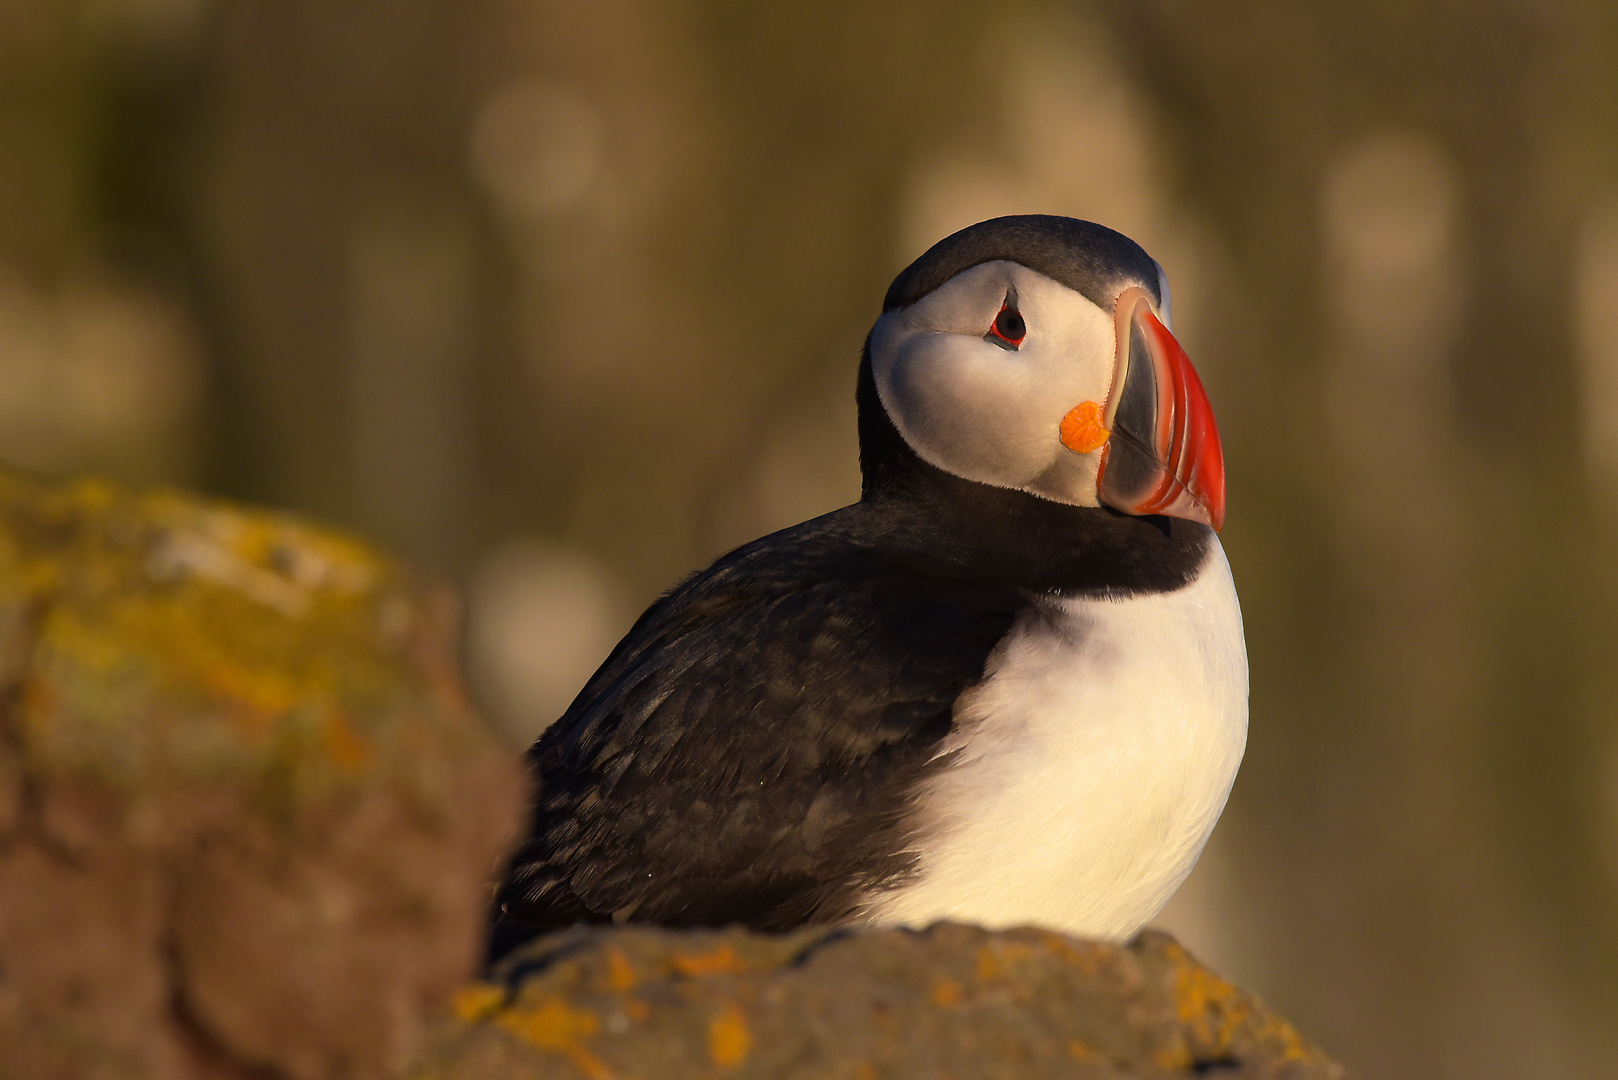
(721, 961)
(556, 1026)
(621, 974)
(1212, 1007)
(478, 1001)
(1196, 990)
(347, 749)
(729, 1038)
(550, 1024)
(1215, 1011)
(946, 993)
(1081, 955)
(992, 962)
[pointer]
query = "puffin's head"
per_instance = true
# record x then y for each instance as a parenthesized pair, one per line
(1034, 353)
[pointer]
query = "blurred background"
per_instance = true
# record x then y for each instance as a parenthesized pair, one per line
(564, 299)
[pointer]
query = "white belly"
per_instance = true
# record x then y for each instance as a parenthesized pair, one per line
(1091, 764)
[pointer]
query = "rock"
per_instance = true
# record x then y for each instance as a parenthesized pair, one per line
(952, 1001)
(248, 823)
(247, 815)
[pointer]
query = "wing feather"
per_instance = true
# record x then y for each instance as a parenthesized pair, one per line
(748, 752)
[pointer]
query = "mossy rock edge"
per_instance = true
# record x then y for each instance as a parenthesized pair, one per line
(247, 814)
(951, 1001)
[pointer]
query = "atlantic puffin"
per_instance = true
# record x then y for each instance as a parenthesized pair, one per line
(1007, 686)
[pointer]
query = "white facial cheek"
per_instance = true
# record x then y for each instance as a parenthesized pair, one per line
(989, 414)
(1064, 380)
(1074, 355)
(962, 404)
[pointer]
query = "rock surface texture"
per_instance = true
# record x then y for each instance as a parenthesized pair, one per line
(249, 822)
(949, 1002)
(247, 816)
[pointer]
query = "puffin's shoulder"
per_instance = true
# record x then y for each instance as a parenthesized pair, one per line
(782, 704)
(833, 603)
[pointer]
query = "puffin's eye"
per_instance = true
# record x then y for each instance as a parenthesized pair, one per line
(1008, 329)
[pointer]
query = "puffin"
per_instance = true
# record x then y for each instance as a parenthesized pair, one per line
(1008, 686)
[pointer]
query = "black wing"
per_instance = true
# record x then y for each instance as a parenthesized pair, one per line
(748, 752)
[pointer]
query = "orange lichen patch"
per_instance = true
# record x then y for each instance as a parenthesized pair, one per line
(1079, 1050)
(1210, 1006)
(638, 1011)
(992, 962)
(201, 642)
(1081, 428)
(946, 993)
(721, 961)
(864, 1071)
(1276, 1032)
(729, 1038)
(558, 1027)
(1081, 955)
(621, 974)
(348, 750)
(1215, 1013)
(551, 1023)
(258, 696)
(153, 653)
(478, 1002)
(1197, 991)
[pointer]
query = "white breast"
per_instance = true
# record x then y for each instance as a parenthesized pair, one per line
(1091, 764)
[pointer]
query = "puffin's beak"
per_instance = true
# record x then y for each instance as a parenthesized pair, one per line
(1163, 456)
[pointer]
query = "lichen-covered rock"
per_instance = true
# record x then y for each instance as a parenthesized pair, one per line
(950, 1002)
(246, 812)
(247, 821)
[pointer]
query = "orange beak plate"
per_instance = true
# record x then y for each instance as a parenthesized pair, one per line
(1164, 455)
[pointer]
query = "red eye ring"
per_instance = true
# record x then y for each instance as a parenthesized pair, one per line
(1008, 326)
